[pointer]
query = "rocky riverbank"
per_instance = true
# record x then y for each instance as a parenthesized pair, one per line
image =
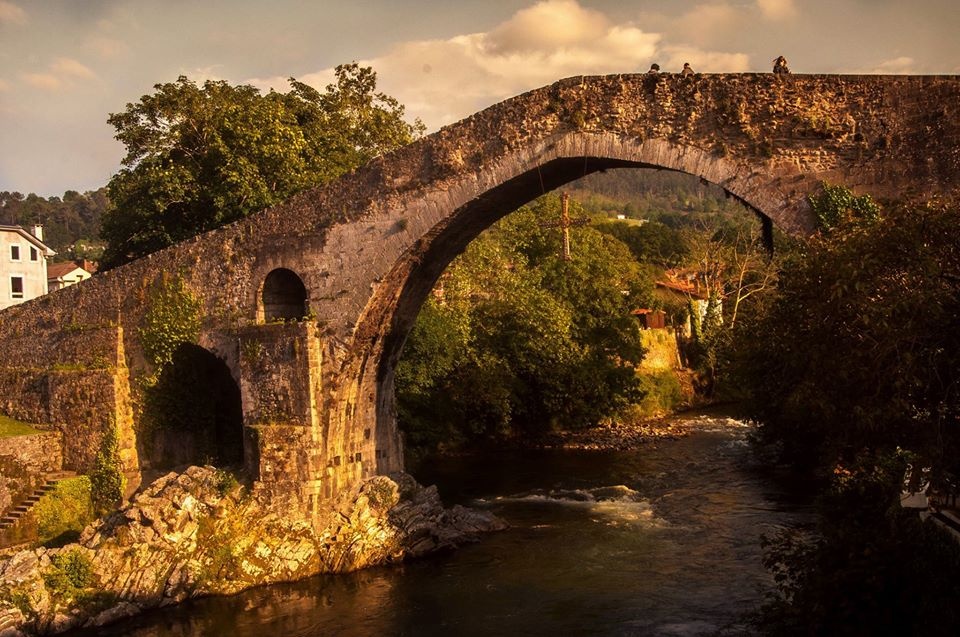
(616, 437)
(633, 435)
(198, 533)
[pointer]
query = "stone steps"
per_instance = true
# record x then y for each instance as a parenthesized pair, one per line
(14, 515)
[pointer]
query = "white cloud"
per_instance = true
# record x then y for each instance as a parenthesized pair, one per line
(706, 61)
(442, 81)
(11, 13)
(45, 81)
(204, 73)
(897, 66)
(777, 9)
(68, 67)
(549, 24)
(62, 73)
(706, 21)
(107, 48)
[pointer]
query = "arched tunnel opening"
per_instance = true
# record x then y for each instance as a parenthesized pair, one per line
(193, 413)
(284, 296)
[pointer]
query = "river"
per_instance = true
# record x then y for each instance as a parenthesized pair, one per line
(663, 540)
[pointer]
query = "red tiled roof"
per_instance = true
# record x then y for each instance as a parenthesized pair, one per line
(57, 270)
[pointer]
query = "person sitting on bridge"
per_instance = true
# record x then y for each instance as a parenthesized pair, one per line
(780, 66)
(654, 69)
(686, 69)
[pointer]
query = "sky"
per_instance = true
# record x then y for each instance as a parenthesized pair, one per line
(65, 65)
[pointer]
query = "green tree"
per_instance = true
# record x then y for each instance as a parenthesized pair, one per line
(199, 157)
(871, 568)
(861, 348)
(517, 341)
(650, 242)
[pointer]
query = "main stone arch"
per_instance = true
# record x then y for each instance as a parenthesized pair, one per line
(516, 180)
(316, 394)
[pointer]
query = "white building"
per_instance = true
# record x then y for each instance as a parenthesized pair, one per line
(23, 265)
(61, 275)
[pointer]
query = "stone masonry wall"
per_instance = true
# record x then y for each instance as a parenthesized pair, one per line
(79, 392)
(24, 463)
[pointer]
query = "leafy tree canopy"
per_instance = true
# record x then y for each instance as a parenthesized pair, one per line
(71, 223)
(199, 157)
(517, 341)
(861, 347)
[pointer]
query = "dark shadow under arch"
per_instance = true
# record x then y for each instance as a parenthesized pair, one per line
(193, 413)
(284, 296)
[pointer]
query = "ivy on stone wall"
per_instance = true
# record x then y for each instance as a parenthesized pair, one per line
(172, 318)
(107, 482)
(836, 205)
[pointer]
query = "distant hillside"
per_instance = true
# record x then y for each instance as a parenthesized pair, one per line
(675, 199)
(66, 220)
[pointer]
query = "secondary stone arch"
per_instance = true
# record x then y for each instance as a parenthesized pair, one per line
(283, 296)
(194, 412)
(366, 390)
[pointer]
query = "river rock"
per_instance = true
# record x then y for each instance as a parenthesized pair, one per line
(183, 537)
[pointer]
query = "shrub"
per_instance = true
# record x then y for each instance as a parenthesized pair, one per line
(69, 575)
(662, 393)
(872, 569)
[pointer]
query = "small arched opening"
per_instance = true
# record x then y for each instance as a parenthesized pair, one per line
(284, 296)
(193, 413)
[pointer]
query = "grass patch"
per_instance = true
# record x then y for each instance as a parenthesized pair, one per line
(64, 512)
(10, 427)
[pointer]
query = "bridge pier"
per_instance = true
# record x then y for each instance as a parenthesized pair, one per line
(280, 383)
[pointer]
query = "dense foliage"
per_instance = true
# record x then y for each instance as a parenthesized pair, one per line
(171, 319)
(199, 157)
(517, 341)
(651, 242)
(871, 569)
(836, 205)
(71, 224)
(64, 512)
(862, 346)
(672, 198)
(70, 575)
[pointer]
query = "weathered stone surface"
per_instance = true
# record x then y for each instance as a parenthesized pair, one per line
(193, 534)
(24, 463)
(369, 247)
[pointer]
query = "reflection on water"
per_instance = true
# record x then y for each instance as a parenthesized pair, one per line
(660, 541)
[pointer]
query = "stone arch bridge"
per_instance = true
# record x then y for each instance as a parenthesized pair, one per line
(358, 256)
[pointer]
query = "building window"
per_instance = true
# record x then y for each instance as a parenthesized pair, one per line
(33, 254)
(16, 287)
(14, 253)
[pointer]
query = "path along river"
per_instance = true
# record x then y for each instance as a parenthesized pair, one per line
(662, 540)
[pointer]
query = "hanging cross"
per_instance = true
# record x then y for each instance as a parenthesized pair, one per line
(565, 224)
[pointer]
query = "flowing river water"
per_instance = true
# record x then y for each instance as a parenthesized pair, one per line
(662, 540)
